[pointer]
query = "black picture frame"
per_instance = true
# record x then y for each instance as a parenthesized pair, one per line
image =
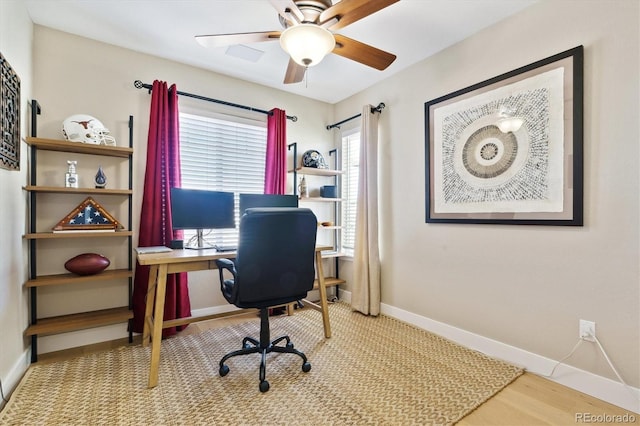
(476, 173)
(10, 118)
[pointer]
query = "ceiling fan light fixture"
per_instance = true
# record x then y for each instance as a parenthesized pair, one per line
(307, 44)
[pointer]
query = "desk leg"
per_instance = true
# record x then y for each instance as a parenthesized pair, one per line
(151, 296)
(323, 295)
(158, 319)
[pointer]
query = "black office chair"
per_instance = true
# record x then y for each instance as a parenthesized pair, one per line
(274, 265)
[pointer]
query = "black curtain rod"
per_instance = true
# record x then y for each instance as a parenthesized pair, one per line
(140, 85)
(379, 108)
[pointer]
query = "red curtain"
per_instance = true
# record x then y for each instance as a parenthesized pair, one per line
(275, 176)
(162, 173)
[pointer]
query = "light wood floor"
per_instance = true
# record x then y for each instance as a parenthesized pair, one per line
(529, 400)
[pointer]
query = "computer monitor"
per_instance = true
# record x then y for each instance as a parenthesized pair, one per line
(266, 200)
(201, 209)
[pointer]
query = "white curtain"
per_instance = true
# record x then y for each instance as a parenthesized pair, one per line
(365, 296)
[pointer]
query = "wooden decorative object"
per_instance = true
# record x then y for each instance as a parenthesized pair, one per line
(88, 216)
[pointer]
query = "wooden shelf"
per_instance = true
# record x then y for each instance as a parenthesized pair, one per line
(320, 199)
(81, 321)
(79, 147)
(74, 234)
(61, 279)
(329, 282)
(317, 172)
(331, 254)
(62, 190)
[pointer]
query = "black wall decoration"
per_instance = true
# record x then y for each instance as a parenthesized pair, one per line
(10, 119)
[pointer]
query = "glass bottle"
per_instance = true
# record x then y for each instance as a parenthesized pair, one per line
(303, 188)
(71, 177)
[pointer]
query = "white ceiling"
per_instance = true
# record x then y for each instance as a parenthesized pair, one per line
(411, 29)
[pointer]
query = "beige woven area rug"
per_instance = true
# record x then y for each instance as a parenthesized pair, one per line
(374, 371)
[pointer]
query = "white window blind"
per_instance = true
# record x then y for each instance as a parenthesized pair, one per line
(350, 168)
(222, 153)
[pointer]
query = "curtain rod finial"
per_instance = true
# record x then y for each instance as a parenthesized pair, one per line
(140, 85)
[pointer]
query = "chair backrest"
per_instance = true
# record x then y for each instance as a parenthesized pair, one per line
(250, 201)
(275, 258)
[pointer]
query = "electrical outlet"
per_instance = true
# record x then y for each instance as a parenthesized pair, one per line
(588, 330)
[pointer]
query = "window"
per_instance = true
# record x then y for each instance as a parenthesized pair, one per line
(350, 169)
(222, 153)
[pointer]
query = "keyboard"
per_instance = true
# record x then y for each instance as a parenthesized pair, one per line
(154, 249)
(225, 248)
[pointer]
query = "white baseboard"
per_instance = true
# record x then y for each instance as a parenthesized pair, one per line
(17, 370)
(345, 296)
(597, 386)
(214, 310)
(223, 309)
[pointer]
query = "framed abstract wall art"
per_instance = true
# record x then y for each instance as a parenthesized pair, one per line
(10, 118)
(509, 150)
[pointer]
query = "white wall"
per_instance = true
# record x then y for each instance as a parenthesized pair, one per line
(15, 44)
(525, 286)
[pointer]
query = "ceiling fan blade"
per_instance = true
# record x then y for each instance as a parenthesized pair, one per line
(350, 11)
(288, 10)
(363, 53)
(295, 72)
(218, 40)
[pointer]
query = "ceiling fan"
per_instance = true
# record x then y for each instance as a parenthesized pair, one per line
(308, 34)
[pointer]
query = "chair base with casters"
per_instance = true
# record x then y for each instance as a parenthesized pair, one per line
(264, 346)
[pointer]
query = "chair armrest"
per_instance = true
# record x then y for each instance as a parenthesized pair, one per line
(225, 264)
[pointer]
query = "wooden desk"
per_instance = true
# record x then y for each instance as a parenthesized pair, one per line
(162, 264)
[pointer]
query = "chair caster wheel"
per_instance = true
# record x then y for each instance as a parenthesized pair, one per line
(306, 367)
(224, 370)
(264, 386)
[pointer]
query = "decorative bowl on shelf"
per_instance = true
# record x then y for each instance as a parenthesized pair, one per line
(328, 191)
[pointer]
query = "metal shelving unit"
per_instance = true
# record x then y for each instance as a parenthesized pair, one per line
(66, 323)
(337, 228)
